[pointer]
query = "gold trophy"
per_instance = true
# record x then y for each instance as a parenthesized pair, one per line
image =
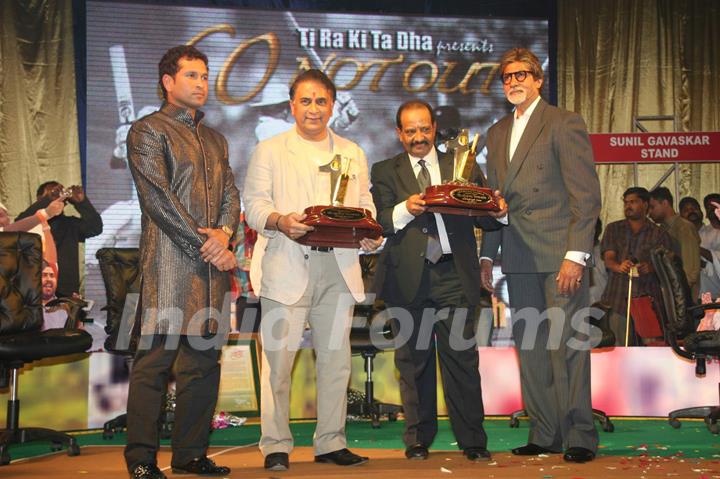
(460, 196)
(336, 225)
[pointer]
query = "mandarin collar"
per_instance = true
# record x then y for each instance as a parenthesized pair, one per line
(182, 114)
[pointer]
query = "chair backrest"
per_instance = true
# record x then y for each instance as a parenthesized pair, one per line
(676, 296)
(120, 268)
(20, 282)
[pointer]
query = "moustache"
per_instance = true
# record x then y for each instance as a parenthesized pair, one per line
(422, 142)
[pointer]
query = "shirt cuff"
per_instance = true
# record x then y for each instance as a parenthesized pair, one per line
(401, 216)
(577, 257)
(503, 220)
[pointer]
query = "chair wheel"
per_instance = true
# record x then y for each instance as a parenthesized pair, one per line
(73, 450)
(674, 423)
(392, 417)
(4, 458)
(609, 427)
(514, 422)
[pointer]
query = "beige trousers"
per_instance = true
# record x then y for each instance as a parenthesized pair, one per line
(326, 306)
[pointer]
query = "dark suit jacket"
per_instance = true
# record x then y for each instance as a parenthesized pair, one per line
(551, 188)
(403, 258)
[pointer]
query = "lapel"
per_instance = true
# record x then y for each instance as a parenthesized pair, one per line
(446, 164)
(504, 128)
(406, 174)
(532, 130)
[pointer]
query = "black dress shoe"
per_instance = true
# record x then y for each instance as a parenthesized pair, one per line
(201, 466)
(342, 457)
(277, 461)
(578, 454)
(531, 449)
(477, 454)
(146, 471)
(417, 451)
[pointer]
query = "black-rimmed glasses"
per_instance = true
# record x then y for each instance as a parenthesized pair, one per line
(519, 76)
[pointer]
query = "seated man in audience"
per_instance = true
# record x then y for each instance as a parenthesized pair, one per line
(68, 231)
(684, 236)
(626, 244)
(689, 208)
(710, 248)
(53, 316)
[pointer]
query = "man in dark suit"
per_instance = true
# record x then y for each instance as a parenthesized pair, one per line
(430, 268)
(540, 158)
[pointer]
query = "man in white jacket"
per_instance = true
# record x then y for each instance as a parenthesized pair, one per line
(297, 283)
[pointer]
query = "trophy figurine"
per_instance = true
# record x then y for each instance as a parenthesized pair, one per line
(460, 196)
(336, 225)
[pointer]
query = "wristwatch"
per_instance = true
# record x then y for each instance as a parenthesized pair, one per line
(227, 230)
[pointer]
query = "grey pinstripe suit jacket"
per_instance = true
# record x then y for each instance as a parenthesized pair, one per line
(551, 188)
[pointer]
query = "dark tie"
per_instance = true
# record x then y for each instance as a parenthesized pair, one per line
(433, 250)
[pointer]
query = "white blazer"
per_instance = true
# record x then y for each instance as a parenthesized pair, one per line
(280, 179)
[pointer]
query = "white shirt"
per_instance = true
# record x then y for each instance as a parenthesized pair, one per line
(519, 124)
(401, 216)
(320, 153)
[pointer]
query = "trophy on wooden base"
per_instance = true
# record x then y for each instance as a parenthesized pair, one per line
(460, 196)
(336, 225)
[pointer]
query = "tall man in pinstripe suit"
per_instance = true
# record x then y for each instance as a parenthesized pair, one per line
(541, 160)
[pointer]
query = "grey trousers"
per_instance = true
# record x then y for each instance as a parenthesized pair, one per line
(326, 306)
(554, 362)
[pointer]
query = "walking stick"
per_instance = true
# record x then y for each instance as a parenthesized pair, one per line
(631, 274)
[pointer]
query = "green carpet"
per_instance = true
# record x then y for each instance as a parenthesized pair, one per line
(632, 437)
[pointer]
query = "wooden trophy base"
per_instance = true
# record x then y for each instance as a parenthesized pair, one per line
(460, 199)
(339, 226)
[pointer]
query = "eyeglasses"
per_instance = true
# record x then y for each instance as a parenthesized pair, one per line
(519, 76)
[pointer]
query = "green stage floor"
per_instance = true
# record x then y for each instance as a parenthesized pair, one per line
(632, 437)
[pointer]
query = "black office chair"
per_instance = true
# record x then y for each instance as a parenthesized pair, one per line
(370, 330)
(680, 317)
(22, 342)
(120, 269)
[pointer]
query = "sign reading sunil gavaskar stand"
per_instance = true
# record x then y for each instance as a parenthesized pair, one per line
(698, 146)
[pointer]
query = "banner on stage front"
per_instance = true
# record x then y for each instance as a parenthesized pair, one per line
(689, 147)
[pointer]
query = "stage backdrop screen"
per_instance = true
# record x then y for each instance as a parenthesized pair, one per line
(376, 61)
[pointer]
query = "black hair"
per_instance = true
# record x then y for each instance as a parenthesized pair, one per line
(170, 62)
(641, 193)
(317, 76)
(414, 104)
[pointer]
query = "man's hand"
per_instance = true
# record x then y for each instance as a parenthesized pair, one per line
(415, 204)
(716, 205)
(225, 261)
(624, 267)
(216, 242)
(369, 244)
(501, 203)
(486, 275)
(644, 268)
(290, 225)
(55, 208)
(78, 194)
(569, 278)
